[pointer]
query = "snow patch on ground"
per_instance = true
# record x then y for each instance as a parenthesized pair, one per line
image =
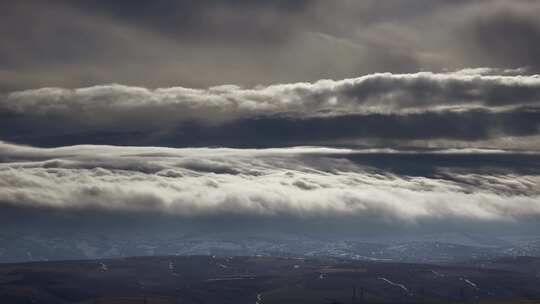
(396, 284)
(469, 282)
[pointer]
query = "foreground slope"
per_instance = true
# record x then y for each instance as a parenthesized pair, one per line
(209, 279)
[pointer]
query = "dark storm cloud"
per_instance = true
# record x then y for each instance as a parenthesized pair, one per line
(467, 105)
(468, 126)
(507, 35)
(176, 41)
(204, 19)
(377, 129)
(204, 43)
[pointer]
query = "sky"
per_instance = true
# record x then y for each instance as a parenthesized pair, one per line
(373, 116)
(199, 44)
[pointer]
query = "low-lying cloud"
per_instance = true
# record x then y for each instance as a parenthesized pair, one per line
(297, 183)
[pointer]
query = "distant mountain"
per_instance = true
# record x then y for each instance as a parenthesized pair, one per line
(427, 249)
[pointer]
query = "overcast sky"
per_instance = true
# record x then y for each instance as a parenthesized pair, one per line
(386, 113)
(203, 43)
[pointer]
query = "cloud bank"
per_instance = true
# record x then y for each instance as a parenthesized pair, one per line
(466, 105)
(376, 93)
(295, 183)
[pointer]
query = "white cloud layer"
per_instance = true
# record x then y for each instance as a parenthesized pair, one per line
(386, 109)
(120, 106)
(299, 182)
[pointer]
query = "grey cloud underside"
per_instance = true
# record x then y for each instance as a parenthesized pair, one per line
(464, 129)
(362, 187)
(203, 43)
